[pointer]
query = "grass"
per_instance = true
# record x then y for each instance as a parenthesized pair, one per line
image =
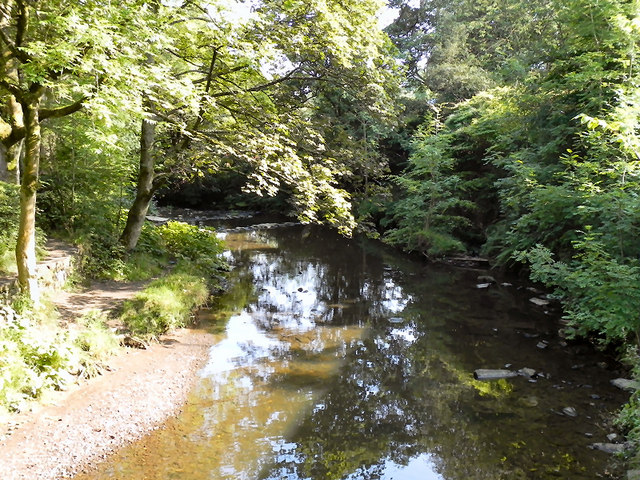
(38, 354)
(165, 304)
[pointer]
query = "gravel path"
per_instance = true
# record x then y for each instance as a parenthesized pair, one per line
(81, 426)
(84, 425)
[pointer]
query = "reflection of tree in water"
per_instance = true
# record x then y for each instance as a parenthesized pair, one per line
(405, 390)
(383, 408)
(349, 287)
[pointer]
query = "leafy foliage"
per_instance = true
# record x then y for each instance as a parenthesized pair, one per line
(38, 356)
(429, 216)
(198, 246)
(599, 292)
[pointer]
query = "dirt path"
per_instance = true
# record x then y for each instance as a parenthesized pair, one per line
(84, 424)
(106, 296)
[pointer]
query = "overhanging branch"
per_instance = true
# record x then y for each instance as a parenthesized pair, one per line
(58, 112)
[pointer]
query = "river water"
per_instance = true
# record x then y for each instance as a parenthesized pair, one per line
(341, 359)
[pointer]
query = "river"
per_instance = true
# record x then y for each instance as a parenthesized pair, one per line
(339, 358)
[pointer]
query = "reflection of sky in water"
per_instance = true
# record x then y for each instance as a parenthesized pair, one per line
(408, 334)
(292, 300)
(244, 345)
(392, 298)
(418, 468)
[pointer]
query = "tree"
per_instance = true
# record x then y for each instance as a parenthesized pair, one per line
(462, 47)
(256, 84)
(55, 57)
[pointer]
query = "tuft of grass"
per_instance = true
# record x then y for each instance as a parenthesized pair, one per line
(165, 304)
(96, 343)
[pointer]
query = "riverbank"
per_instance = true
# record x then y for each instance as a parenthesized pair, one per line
(67, 432)
(88, 422)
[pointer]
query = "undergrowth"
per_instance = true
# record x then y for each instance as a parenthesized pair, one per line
(37, 355)
(169, 302)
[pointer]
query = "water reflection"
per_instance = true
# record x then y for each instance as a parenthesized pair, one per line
(341, 360)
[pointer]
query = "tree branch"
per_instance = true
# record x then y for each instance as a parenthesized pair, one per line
(17, 53)
(10, 87)
(259, 88)
(58, 112)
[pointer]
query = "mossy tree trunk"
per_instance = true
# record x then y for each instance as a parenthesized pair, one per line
(26, 244)
(144, 190)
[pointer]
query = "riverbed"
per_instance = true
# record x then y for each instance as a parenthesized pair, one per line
(340, 358)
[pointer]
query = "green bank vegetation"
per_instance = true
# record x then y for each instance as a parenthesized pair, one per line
(505, 128)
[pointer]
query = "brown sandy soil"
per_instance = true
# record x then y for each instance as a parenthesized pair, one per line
(106, 296)
(83, 425)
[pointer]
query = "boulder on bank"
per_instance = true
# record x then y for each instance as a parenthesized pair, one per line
(626, 384)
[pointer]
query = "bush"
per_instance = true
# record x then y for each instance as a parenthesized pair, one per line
(198, 246)
(103, 260)
(599, 292)
(33, 358)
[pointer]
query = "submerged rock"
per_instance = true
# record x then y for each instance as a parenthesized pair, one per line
(529, 401)
(489, 374)
(608, 447)
(486, 279)
(527, 372)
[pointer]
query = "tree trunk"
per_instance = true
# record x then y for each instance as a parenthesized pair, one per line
(5, 176)
(10, 162)
(26, 245)
(144, 188)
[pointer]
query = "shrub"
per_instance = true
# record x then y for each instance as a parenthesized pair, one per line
(599, 292)
(198, 246)
(35, 358)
